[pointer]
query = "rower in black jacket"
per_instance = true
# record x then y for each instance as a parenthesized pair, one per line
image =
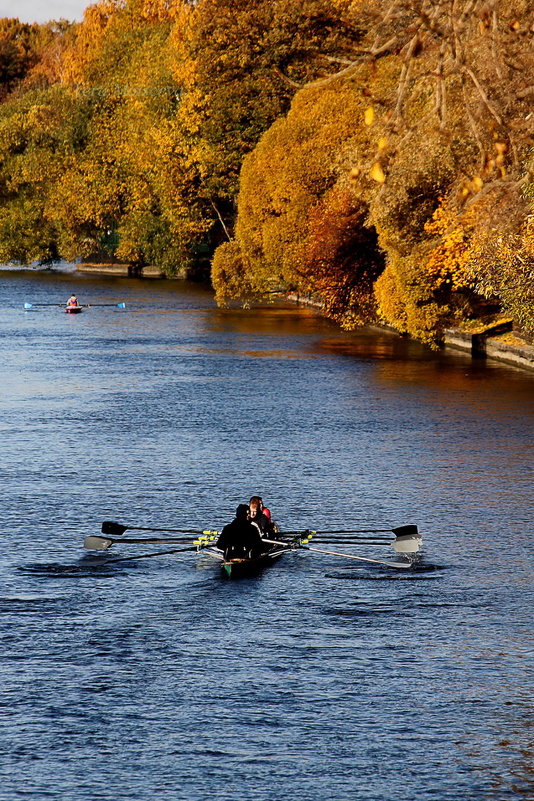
(240, 539)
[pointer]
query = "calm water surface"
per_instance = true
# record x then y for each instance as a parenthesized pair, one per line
(320, 679)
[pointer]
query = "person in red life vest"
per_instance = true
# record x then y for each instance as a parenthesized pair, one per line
(260, 516)
(72, 301)
(240, 539)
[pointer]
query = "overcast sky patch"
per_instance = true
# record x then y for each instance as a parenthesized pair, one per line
(43, 10)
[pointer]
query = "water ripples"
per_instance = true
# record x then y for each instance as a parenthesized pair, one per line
(317, 680)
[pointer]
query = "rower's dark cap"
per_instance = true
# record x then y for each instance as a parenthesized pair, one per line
(241, 511)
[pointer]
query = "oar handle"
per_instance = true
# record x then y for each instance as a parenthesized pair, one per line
(277, 542)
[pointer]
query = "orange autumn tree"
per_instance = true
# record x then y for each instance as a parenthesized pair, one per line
(343, 259)
(457, 162)
(298, 226)
(239, 63)
(445, 121)
(377, 155)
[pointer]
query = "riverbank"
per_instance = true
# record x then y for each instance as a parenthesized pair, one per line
(498, 343)
(119, 269)
(495, 341)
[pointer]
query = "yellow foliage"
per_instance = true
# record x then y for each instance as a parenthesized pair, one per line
(390, 299)
(446, 263)
(377, 173)
(167, 97)
(369, 115)
(382, 143)
(86, 47)
(228, 274)
(286, 175)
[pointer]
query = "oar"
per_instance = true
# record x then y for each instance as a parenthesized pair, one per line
(400, 531)
(407, 538)
(116, 529)
(148, 555)
(337, 553)
(33, 305)
(402, 545)
(362, 541)
(117, 305)
(360, 558)
(93, 543)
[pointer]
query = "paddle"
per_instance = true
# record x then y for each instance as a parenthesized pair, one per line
(116, 529)
(336, 553)
(84, 305)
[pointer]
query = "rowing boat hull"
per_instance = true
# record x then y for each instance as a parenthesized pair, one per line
(74, 309)
(237, 568)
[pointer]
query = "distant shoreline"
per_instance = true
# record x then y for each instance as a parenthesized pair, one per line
(497, 343)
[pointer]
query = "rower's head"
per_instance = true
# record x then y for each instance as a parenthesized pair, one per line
(241, 513)
(255, 505)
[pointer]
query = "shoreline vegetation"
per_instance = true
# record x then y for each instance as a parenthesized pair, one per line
(375, 156)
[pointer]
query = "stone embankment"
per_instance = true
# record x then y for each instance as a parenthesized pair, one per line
(117, 268)
(496, 341)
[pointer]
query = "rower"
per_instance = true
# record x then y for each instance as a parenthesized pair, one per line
(261, 517)
(240, 539)
(72, 301)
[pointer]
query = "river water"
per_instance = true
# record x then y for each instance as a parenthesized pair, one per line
(320, 679)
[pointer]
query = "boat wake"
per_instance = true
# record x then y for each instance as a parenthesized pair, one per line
(69, 571)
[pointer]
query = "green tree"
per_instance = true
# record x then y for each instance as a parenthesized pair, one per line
(40, 132)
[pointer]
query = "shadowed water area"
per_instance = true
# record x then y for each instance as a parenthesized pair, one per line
(321, 678)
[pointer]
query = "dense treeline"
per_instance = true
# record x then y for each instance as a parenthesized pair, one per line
(375, 155)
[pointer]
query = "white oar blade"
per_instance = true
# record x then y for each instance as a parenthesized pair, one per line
(409, 545)
(97, 543)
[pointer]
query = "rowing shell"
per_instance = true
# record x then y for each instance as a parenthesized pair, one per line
(236, 568)
(74, 309)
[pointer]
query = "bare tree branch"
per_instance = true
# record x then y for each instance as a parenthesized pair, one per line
(483, 94)
(217, 212)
